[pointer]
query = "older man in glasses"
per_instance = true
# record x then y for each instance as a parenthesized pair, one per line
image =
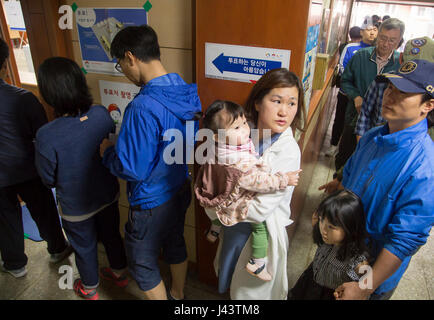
(358, 75)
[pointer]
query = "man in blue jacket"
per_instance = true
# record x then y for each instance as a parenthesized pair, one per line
(158, 190)
(370, 114)
(21, 115)
(392, 172)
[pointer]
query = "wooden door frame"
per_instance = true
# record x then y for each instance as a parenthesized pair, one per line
(12, 76)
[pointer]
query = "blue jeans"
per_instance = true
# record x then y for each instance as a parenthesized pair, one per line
(84, 236)
(151, 231)
(384, 296)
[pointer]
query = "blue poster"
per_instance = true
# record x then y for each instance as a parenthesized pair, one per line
(97, 29)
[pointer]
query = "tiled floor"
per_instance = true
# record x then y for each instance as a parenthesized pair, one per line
(42, 280)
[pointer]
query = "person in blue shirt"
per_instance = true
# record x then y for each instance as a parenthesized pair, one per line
(21, 115)
(158, 187)
(67, 158)
(392, 172)
(368, 32)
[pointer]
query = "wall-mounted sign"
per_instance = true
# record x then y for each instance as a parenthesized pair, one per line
(115, 96)
(96, 31)
(242, 63)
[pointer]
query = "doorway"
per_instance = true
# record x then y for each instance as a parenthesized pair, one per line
(19, 42)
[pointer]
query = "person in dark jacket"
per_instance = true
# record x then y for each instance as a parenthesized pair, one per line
(158, 185)
(67, 158)
(21, 115)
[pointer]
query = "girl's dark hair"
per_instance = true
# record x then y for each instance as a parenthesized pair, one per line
(141, 41)
(4, 52)
(276, 78)
(63, 86)
(231, 109)
(344, 209)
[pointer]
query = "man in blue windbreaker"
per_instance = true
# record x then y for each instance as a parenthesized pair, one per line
(392, 171)
(158, 190)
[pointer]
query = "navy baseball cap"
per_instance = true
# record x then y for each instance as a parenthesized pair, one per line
(415, 76)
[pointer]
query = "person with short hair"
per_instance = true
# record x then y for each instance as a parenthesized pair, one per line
(67, 158)
(355, 35)
(370, 115)
(358, 75)
(21, 115)
(392, 172)
(376, 20)
(367, 33)
(159, 191)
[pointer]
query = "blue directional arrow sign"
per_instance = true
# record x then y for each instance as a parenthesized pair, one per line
(244, 65)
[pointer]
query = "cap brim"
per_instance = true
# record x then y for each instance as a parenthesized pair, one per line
(401, 83)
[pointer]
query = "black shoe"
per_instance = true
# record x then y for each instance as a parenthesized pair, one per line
(57, 257)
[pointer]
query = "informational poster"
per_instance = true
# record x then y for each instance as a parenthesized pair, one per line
(311, 51)
(309, 61)
(115, 96)
(242, 63)
(96, 31)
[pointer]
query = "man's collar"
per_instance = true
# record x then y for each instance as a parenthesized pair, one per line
(381, 58)
(374, 55)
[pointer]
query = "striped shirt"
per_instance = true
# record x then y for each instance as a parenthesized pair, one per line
(330, 272)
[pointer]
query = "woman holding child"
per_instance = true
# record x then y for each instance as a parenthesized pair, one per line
(275, 107)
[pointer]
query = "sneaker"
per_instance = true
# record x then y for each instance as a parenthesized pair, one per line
(57, 257)
(17, 273)
(331, 152)
(107, 273)
(88, 294)
(258, 271)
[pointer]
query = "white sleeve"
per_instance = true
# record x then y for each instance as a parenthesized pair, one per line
(263, 205)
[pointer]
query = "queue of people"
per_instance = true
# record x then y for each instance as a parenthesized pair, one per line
(245, 185)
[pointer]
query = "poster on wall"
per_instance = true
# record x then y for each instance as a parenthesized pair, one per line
(309, 61)
(311, 51)
(97, 28)
(242, 63)
(115, 96)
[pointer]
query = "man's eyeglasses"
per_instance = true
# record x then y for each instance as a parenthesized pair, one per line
(118, 67)
(390, 41)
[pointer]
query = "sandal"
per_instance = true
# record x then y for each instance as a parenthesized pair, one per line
(212, 235)
(258, 271)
